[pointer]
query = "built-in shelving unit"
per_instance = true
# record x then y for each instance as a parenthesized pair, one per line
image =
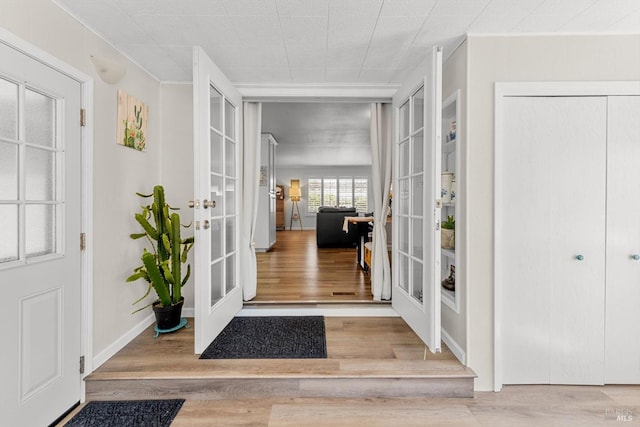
(450, 165)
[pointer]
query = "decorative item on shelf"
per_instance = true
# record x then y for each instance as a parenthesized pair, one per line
(450, 282)
(448, 233)
(445, 183)
(452, 131)
(162, 267)
(295, 194)
(453, 189)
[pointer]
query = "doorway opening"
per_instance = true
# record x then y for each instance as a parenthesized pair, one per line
(326, 146)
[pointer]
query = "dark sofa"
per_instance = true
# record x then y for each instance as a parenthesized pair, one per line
(329, 233)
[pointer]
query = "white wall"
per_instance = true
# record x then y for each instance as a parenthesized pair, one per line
(525, 58)
(177, 160)
(284, 175)
(118, 171)
(454, 72)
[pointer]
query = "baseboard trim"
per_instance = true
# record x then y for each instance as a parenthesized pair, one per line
(125, 339)
(454, 347)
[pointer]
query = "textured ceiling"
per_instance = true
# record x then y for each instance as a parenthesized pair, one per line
(319, 134)
(326, 41)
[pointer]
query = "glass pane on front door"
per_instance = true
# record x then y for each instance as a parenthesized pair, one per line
(40, 230)
(8, 172)
(40, 117)
(39, 174)
(9, 227)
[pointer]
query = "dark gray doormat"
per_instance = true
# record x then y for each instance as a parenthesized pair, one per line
(121, 413)
(277, 337)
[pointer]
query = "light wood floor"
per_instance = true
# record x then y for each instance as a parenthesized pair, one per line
(534, 406)
(295, 270)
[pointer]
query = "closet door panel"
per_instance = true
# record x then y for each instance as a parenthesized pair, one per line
(553, 212)
(622, 357)
(578, 208)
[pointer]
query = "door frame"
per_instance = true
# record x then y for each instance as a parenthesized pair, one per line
(86, 181)
(504, 90)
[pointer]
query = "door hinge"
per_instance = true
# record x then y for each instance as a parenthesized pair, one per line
(82, 364)
(83, 117)
(83, 241)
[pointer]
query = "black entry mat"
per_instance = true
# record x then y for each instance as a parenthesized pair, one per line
(125, 413)
(277, 337)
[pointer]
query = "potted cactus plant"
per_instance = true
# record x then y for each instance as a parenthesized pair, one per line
(448, 233)
(162, 266)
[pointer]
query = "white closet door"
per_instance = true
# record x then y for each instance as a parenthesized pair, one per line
(552, 244)
(622, 358)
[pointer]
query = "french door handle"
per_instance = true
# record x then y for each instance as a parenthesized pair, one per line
(194, 203)
(206, 224)
(208, 204)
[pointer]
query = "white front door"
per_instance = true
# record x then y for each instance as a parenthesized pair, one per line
(416, 187)
(218, 138)
(40, 260)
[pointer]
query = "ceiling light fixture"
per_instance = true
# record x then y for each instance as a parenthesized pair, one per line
(111, 71)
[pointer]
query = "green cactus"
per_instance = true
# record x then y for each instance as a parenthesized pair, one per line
(162, 267)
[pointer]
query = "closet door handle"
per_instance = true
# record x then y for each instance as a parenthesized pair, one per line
(579, 257)
(635, 257)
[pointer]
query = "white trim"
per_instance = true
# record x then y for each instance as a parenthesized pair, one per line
(121, 342)
(548, 34)
(454, 347)
(34, 52)
(316, 92)
(503, 90)
(320, 310)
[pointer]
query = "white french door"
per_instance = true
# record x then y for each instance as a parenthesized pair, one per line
(416, 216)
(217, 183)
(40, 259)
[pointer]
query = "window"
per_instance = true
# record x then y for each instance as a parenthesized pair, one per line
(314, 186)
(345, 191)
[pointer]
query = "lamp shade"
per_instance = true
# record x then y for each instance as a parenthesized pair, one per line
(294, 191)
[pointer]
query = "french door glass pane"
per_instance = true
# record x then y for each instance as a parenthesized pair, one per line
(40, 226)
(231, 273)
(8, 109)
(404, 159)
(216, 153)
(8, 171)
(416, 232)
(216, 239)
(230, 120)
(416, 280)
(230, 196)
(403, 234)
(40, 113)
(403, 197)
(9, 230)
(418, 109)
(215, 112)
(216, 281)
(417, 184)
(231, 235)
(39, 174)
(403, 272)
(230, 159)
(216, 195)
(404, 120)
(418, 153)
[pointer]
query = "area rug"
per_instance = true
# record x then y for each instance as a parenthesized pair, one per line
(277, 337)
(125, 413)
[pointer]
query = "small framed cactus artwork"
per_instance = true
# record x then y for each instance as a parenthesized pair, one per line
(132, 122)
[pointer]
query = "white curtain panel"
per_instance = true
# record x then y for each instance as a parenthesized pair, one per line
(381, 180)
(249, 213)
